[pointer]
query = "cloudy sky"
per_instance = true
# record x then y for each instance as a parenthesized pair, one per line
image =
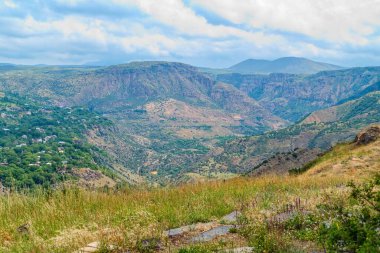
(214, 33)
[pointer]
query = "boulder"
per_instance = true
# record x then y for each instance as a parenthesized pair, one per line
(369, 135)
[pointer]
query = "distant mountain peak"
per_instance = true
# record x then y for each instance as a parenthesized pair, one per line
(150, 64)
(291, 65)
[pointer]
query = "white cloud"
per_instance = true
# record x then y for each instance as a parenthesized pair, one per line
(60, 31)
(10, 4)
(175, 14)
(346, 21)
(129, 37)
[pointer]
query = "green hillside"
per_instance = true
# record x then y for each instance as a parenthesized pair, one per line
(243, 154)
(40, 145)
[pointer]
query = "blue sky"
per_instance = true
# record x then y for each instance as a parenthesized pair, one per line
(213, 33)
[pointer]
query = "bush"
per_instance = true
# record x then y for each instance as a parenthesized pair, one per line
(356, 227)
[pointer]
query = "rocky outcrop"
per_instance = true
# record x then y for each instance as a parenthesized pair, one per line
(369, 135)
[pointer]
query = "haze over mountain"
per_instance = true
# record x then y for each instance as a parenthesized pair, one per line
(291, 65)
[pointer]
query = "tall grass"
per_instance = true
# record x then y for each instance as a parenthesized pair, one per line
(54, 218)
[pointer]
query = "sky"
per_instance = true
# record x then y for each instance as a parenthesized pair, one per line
(209, 33)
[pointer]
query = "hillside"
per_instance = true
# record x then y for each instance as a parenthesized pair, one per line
(46, 145)
(165, 114)
(125, 90)
(282, 163)
(268, 214)
(292, 97)
(290, 65)
(366, 106)
(359, 159)
(240, 155)
(345, 159)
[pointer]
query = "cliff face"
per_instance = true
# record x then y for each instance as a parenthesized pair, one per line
(292, 97)
(147, 82)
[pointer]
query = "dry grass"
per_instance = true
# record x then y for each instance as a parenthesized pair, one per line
(350, 161)
(127, 216)
(65, 220)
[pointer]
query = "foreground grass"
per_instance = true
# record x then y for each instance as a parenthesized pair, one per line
(64, 220)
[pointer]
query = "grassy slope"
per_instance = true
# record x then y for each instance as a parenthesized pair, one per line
(348, 160)
(78, 217)
(71, 219)
(66, 220)
(62, 221)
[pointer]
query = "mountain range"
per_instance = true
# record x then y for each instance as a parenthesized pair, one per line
(169, 119)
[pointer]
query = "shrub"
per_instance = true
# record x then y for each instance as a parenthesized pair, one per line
(353, 228)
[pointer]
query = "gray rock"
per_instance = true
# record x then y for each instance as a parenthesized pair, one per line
(239, 250)
(179, 231)
(232, 217)
(212, 233)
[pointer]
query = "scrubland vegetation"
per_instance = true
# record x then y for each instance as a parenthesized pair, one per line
(67, 219)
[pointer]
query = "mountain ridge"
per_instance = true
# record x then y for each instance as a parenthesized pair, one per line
(290, 65)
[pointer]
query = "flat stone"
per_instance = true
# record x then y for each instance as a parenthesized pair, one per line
(240, 250)
(232, 217)
(212, 233)
(193, 227)
(179, 231)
